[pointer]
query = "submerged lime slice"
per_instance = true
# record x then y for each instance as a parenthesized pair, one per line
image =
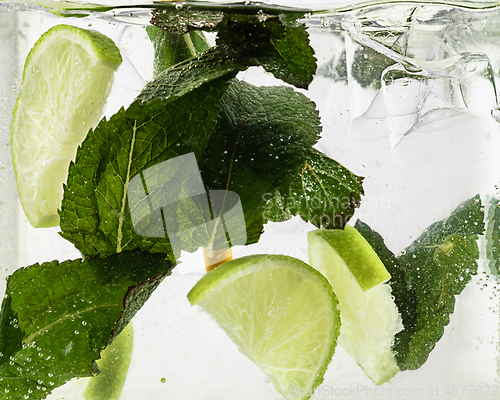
(370, 319)
(67, 78)
(114, 363)
(280, 312)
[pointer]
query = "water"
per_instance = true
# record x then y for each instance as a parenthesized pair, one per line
(407, 94)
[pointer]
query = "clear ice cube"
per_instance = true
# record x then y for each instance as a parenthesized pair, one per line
(430, 82)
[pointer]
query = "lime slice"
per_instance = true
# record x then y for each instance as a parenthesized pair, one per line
(114, 363)
(67, 78)
(370, 319)
(280, 312)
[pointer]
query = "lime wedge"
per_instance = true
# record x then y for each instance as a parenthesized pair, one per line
(67, 78)
(280, 312)
(370, 319)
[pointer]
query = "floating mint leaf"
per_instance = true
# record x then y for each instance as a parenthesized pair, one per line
(428, 275)
(163, 123)
(466, 220)
(184, 77)
(57, 317)
(444, 273)
(323, 192)
(262, 136)
(281, 49)
(184, 20)
(493, 237)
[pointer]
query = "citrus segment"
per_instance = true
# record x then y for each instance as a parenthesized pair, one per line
(280, 312)
(67, 78)
(370, 319)
(114, 364)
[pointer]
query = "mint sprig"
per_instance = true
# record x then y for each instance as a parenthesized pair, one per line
(275, 41)
(57, 317)
(427, 277)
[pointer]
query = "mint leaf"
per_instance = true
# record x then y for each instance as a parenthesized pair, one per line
(57, 317)
(171, 48)
(167, 120)
(323, 192)
(443, 273)
(188, 75)
(428, 275)
(493, 237)
(263, 134)
(283, 50)
(280, 44)
(184, 20)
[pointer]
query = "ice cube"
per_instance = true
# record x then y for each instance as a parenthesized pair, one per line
(428, 82)
(424, 110)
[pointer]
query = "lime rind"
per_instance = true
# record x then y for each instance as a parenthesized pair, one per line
(357, 254)
(67, 78)
(97, 45)
(276, 336)
(370, 319)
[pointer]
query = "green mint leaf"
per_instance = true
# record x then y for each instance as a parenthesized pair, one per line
(283, 50)
(186, 76)
(181, 19)
(493, 237)
(57, 317)
(166, 121)
(171, 48)
(185, 20)
(323, 192)
(443, 273)
(466, 220)
(428, 275)
(368, 66)
(263, 135)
